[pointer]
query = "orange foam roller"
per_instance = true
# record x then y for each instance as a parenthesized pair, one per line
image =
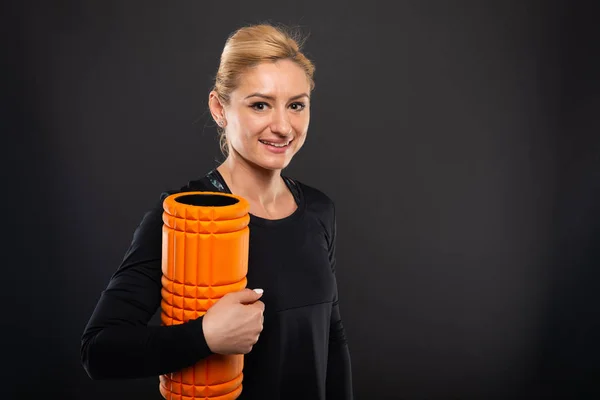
(204, 256)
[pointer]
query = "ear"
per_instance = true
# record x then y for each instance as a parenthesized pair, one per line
(216, 108)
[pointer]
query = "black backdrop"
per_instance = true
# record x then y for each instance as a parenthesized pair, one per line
(458, 139)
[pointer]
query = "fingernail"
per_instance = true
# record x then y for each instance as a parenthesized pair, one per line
(259, 291)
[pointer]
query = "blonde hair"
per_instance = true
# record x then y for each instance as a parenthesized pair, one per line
(252, 45)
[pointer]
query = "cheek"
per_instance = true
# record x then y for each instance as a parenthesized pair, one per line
(300, 140)
(302, 126)
(301, 122)
(242, 130)
(251, 126)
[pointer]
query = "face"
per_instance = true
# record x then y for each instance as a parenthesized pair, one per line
(268, 114)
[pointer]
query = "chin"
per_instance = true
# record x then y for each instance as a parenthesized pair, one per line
(272, 165)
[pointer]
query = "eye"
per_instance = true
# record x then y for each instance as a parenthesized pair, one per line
(259, 106)
(299, 106)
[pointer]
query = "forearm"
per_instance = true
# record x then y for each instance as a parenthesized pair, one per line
(120, 349)
(339, 369)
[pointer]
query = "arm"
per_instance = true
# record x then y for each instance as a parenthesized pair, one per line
(117, 342)
(339, 370)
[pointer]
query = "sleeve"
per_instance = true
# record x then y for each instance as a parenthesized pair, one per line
(117, 342)
(339, 371)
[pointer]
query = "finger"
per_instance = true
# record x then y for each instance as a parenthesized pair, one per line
(260, 305)
(248, 296)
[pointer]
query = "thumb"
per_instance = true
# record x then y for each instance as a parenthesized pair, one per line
(249, 296)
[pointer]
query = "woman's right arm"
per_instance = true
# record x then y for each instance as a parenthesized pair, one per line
(117, 342)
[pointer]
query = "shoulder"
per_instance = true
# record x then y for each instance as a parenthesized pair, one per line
(200, 184)
(313, 195)
(317, 202)
(148, 229)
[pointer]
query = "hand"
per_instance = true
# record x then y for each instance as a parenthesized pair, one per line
(234, 323)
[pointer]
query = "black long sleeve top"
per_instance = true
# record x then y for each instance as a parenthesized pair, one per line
(302, 352)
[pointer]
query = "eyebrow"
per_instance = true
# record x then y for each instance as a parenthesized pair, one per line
(264, 96)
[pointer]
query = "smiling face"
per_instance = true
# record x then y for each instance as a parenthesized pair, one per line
(267, 115)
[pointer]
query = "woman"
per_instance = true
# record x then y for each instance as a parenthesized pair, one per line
(290, 329)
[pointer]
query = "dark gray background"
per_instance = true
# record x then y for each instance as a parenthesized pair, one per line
(458, 139)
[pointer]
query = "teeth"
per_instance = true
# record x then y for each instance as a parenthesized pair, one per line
(276, 145)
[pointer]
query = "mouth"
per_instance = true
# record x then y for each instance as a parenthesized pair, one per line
(277, 145)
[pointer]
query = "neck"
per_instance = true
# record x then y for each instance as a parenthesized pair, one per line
(256, 184)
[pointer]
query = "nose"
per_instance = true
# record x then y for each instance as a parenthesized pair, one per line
(281, 124)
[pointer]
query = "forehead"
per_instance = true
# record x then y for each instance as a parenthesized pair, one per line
(283, 77)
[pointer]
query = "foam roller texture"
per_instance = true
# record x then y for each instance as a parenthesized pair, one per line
(204, 256)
